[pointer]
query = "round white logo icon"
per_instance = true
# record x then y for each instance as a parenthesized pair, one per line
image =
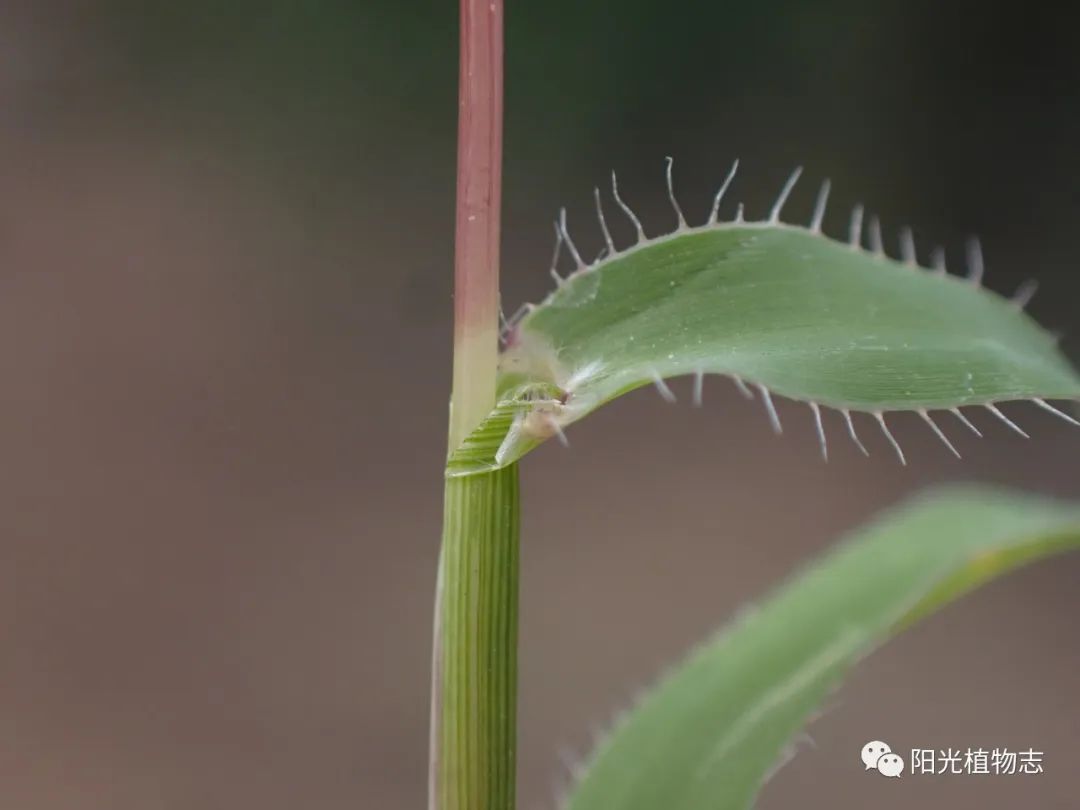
(877, 755)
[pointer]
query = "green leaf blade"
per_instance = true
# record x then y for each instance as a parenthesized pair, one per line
(707, 737)
(779, 306)
(797, 313)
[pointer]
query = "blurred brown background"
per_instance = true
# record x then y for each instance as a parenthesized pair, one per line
(225, 251)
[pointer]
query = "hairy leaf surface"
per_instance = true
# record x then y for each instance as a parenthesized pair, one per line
(708, 735)
(778, 307)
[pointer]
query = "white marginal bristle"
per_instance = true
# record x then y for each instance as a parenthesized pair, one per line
(819, 207)
(699, 388)
(555, 256)
(581, 374)
(743, 388)
(967, 422)
(820, 430)
(603, 223)
(1024, 293)
(1005, 419)
(937, 260)
(855, 227)
(681, 226)
(975, 260)
(720, 194)
(558, 431)
(569, 242)
(662, 388)
(774, 418)
(1046, 406)
(877, 244)
(934, 427)
(774, 214)
(567, 758)
(888, 435)
(626, 209)
(907, 246)
(854, 435)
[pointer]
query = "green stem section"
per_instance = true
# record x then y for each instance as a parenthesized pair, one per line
(475, 678)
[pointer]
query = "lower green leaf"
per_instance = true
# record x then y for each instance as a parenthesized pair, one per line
(708, 735)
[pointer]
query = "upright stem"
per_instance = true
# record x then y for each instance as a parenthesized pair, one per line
(474, 672)
(479, 195)
(474, 736)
